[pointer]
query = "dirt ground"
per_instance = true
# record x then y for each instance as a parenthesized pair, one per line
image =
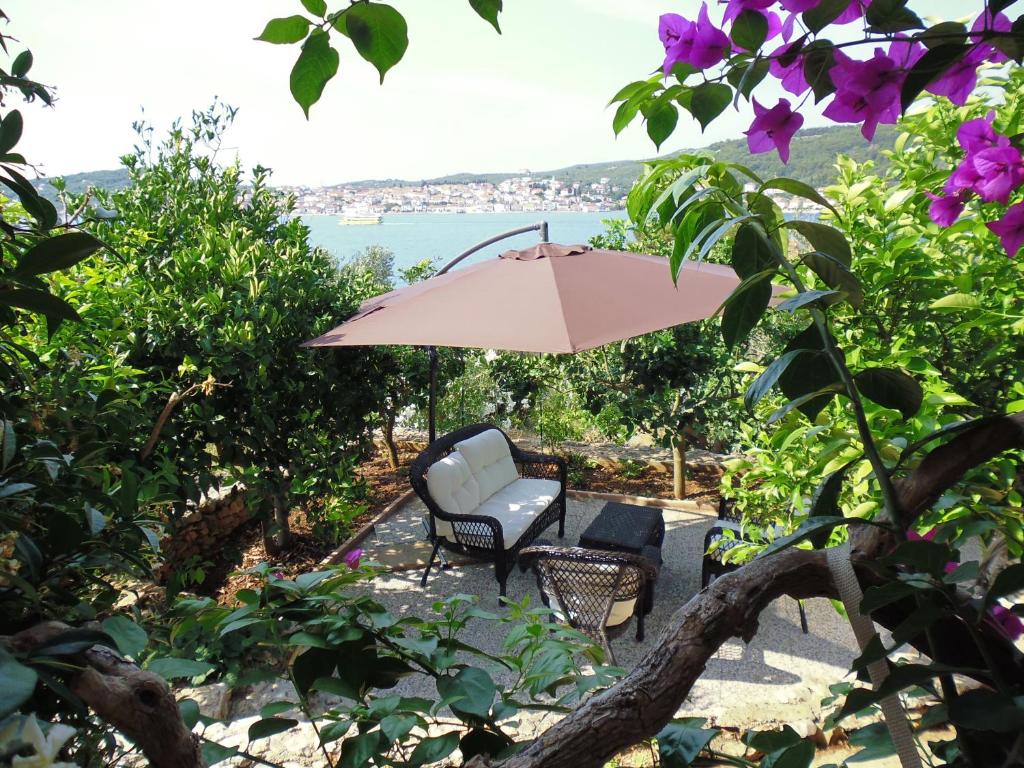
(224, 578)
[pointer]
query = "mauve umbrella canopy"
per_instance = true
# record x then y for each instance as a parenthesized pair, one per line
(549, 298)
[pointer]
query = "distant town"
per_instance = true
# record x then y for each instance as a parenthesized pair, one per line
(525, 192)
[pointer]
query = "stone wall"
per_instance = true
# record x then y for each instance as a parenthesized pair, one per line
(200, 534)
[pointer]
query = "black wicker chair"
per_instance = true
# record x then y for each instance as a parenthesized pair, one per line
(714, 566)
(480, 535)
(591, 590)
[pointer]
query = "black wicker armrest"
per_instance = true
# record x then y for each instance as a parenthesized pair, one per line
(582, 554)
(530, 457)
(468, 521)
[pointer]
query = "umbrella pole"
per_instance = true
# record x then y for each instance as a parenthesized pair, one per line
(541, 227)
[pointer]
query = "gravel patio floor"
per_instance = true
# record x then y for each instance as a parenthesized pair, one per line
(780, 677)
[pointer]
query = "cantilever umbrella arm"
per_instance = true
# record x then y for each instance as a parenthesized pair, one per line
(540, 227)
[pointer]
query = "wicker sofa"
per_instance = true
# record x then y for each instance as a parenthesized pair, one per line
(486, 497)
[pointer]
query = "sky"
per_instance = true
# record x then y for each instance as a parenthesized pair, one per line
(463, 99)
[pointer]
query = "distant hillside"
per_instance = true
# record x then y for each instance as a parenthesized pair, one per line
(813, 156)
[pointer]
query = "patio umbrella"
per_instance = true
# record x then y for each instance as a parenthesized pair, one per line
(548, 298)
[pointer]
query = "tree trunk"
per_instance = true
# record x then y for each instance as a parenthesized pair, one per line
(679, 465)
(277, 535)
(388, 432)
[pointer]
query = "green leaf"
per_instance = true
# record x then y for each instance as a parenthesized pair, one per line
(131, 639)
(929, 68)
(824, 238)
(434, 749)
(891, 388)
(1009, 581)
(810, 381)
(171, 669)
(746, 306)
(888, 16)
(10, 131)
(819, 58)
(981, 710)
(805, 298)
(379, 33)
(772, 741)
(17, 682)
(10, 444)
(474, 686)
(835, 275)
(900, 677)
(270, 726)
(825, 501)
(189, 711)
(810, 527)
(760, 386)
(397, 727)
(824, 13)
(752, 251)
(40, 302)
(316, 7)
(661, 121)
(709, 101)
(681, 742)
(72, 641)
(313, 664)
(58, 252)
(283, 31)
(357, 751)
(22, 64)
(798, 756)
(316, 65)
(214, 753)
(488, 10)
(746, 77)
(800, 189)
(956, 301)
(940, 34)
(481, 742)
(749, 30)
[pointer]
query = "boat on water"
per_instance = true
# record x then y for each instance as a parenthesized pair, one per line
(358, 219)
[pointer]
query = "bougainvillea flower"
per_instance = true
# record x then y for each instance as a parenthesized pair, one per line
(1010, 229)
(867, 92)
(1008, 621)
(352, 558)
(710, 44)
(945, 210)
(978, 134)
(1000, 171)
(799, 6)
(773, 128)
(854, 11)
(958, 82)
(999, 23)
(792, 77)
(905, 52)
(676, 35)
(734, 8)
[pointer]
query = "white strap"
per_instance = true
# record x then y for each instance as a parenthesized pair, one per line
(864, 630)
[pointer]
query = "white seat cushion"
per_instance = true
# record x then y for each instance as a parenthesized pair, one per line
(452, 486)
(490, 460)
(516, 506)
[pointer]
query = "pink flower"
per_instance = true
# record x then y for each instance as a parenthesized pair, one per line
(799, 6)
(985, 21)
(278, 574)
(853, 11)
(792, 76)
(1008, 621)
(944, 211)
(1010, 229)
(867, 92)
(699, 43)
(734, 8)
(773, 128)
(352, 558)
(977, 134)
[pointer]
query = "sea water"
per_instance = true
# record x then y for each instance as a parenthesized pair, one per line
(443, 236)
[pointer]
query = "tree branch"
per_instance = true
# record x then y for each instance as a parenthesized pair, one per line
(648, 697)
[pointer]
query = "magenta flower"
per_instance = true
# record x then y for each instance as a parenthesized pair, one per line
(773, 128)
(278, 574)
(977, 134)
(1008, 621)
(792, 76)
(734, 8)
(799, 6)
(676, 35)
(944, 211)
(1010, 229)
(957, 82)
(853, 11)
(352, 558)
(999, 23)
(1000, 171)
(867, 92)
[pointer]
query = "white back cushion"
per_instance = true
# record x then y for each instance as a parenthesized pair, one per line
(452, 485)
(490, 461)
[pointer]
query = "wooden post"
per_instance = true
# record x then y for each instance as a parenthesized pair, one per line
(679, 465)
